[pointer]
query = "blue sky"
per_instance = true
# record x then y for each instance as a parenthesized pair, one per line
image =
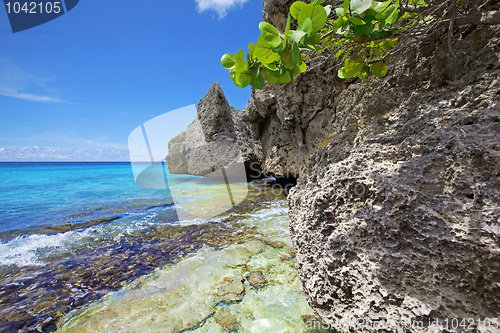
(84, 81)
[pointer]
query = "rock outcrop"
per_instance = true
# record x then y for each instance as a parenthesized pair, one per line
(396, 215)
(217, 137)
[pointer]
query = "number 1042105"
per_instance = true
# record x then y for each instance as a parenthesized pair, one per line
(33, 7)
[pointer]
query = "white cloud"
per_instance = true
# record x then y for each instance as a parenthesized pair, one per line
(15, 82)
(35, 153)
(30, 97)
(220, 6)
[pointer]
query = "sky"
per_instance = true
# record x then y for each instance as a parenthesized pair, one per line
(76, 87)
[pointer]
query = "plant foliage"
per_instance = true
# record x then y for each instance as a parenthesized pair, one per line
(278, 57)
(363, 34)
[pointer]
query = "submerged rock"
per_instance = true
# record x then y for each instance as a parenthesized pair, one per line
(205, 292)
(230, 288)
(256, 279)
(215, 139)
(226, 319)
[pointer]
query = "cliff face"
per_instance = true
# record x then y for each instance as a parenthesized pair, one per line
(215, 139)
(396, 214)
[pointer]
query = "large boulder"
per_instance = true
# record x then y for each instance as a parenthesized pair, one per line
(217, 137)
(399, 217)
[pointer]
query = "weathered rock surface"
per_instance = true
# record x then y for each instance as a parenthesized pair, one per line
(396, 215)
(216, 138)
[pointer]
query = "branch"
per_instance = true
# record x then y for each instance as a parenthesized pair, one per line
(417, 10)
(450, 32)
(491, 17)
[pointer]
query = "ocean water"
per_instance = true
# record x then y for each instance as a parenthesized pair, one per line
(57, 205)
(83, 248)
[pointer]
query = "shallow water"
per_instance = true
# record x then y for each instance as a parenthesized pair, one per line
(249, 286)
(107, 256)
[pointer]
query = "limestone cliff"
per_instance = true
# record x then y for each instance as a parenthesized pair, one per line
(396, 215)
(214, 139)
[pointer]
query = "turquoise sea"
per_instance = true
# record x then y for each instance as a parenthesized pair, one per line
(40, 199)
(84, 249)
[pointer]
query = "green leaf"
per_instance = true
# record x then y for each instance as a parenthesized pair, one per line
(263, 51)
(381, 6)
(271, 78)
(227, 60)
(358, 33)
(363, 72)
(277, 48)
(317, 2)
(287, 30)
(393, 17)
(317, 15)
(356, 20)
(354, 65)
(379, 69)
(344, 29)
(389, 11)
(345, 6)
(374, 13)
(271, 67)
(307, 47)
(315, 39)
(242, 79)
(285, 78)
(295, 52)
(251, 47)
(340, 11)
(240, 57)
(297, 36)
(337, 24)
(296, 7)
(270, 33)
(306, 26)
(368, 28)
(362, 75)
(353, 71)
(368, 18)
(279, 72)
(342, 73)
(302, 66)
(295, 71)
(257, 82)
(359, 6)
(239, 62)
(241, 66)
(286, 58)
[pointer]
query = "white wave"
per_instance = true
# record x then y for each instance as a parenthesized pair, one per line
(30, 250)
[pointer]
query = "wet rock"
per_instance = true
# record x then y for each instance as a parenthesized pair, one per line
(230, 288)
(226, 319)
(256, 279)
